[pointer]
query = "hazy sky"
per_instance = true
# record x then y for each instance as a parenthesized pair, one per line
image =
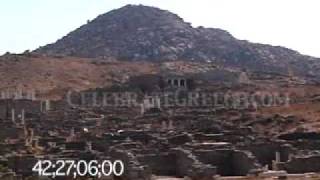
(28, 24)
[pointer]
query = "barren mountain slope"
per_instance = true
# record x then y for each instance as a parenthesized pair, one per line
(58, 74)
(151, 34)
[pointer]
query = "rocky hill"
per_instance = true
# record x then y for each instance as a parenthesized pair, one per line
(148, 33)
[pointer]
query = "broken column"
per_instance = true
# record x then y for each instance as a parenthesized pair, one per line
(13, 116)
(276, 162)
(22, 116)
(48, 104)
(45, 105)
(31, 95)
(157, 102)
(278, 157)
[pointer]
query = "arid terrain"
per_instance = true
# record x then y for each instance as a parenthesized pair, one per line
(53, 76)
(171, 101)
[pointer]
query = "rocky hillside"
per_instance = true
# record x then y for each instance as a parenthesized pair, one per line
(148, 33)
(52, 76)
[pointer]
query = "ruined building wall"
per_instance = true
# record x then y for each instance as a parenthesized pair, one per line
(302, 164)
(160, 164)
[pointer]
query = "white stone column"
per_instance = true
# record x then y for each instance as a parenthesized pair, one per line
(278, 157)
(31, 134)
(23, 116)
(48, 105)
(157, 102)
(33, 95)
(20, 96)
(13, 116)
(276, 162)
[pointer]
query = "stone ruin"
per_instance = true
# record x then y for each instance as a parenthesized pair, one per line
(179, 142)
